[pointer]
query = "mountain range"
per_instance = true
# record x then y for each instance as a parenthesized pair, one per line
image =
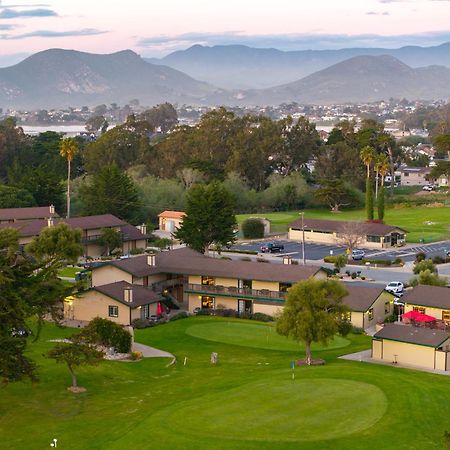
(242, 67)
(58, 78)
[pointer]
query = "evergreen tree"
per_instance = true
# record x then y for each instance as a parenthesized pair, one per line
(381, 203)
(209, 217)
(369, 199)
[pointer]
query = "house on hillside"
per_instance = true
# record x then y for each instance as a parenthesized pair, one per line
(373, 235)
(91, 227)
(414, 346)
(170, 221)
(120, 302)
(414, 176)
(12, 215)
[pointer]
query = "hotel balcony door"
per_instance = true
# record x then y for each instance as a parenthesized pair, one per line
(244, 306)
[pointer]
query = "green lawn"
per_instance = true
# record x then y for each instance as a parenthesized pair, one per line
(430, 224)
(247, 401)
(69, 272)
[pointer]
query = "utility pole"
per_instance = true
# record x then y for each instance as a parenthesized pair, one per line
(303, 237)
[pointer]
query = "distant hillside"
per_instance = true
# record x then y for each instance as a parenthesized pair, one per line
(59, 78)
(242, 67)
(357, 80)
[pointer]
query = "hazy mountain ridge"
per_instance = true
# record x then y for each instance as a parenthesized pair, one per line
(242, 67)
(58, 78)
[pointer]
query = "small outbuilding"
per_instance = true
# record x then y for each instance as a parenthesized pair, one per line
(170, 221)
(413, 346)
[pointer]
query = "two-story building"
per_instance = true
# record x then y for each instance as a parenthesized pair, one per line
(373, 235)
(91, 227)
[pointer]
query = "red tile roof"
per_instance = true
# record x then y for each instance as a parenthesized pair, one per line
(172, 214)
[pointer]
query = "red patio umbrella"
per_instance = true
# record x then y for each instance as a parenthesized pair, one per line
(411, 315)
(159, 309)
(424, 318)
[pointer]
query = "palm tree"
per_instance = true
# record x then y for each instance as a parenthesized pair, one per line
(68, 149)
(367, 154)
(383, 166)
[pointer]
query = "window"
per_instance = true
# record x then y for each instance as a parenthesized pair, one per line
(406, 174)
(446, 316)
(207, 302)
(208, 281)
(245, 284)
(419, 309)
(113, 311)
(284, 287)
(387, 307)
(370, 314)
(373, 238)
(145, 312)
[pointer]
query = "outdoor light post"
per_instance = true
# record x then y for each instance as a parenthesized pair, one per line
(303, 238)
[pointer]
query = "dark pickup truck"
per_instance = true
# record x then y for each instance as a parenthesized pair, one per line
(272, 247)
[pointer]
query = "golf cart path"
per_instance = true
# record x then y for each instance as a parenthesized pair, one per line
(151, 352)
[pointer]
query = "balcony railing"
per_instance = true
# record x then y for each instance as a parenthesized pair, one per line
(160, 286)
(95, 237)
(235, 292)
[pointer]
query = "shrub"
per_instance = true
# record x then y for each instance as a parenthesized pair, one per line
(426, 264)
(262, 317)
(226, 312)
(204, 312)
(294, 262)
(357, 330)
(107, 333)
(420, 256)
(383, 262)
(363, 278)
(398, 261)
(226, 257)
(330, 259)
(354, 275)
(140, 323)
(262, 260)
(137, 251)
(253, 229)
(246, 258)
(179, 315)
(135, 356)
(438, 260)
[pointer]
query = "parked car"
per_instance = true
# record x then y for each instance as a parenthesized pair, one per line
(272, 247)
(395, 287)
(358, 255)
(428, 187)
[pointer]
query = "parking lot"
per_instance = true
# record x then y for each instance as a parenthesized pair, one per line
(319, 251)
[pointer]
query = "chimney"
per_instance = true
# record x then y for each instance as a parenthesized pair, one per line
(151, 259)
(50, 222)
(287, 260)
(52, 209)
(128, 294)
(142, 228)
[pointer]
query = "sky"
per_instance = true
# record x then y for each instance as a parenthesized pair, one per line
(154, 28)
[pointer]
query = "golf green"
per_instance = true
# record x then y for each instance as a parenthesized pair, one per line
(281, 410)
(253, 335)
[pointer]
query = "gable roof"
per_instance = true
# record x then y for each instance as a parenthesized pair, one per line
(189, 262)
(172, 214)
(370, 228)
(432, 296)
(141, 295)
(34, 212)
(412, 335)
(361, 298)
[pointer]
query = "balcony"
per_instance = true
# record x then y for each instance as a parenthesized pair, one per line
(224, 291)
(95, 238)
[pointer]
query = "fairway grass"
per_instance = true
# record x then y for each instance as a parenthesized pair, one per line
(282, 410)
(421, 223)
(254, 335)
(248, 401)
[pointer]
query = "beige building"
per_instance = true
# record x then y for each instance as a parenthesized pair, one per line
(373, 235)
(431, 300)
(170, 221)
(120, 302)
(368, 305)
(414, 176)
(12, 215)
(412, 346)
(91, 227)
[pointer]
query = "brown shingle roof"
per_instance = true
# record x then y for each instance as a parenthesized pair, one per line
(141, 295)
(361, 298)
(433, 296)
(374, 229)
(188, 262)
(35, 212)
(412, 335)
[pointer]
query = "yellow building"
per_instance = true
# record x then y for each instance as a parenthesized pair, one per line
(431, 300)
(120, 302)
(373, 235)
(412, 346)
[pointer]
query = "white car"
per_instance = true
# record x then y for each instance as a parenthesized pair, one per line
(395, 287)
(428, 187)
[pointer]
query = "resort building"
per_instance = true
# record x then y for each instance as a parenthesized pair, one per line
(170, 221)
(412, 346)
(120, 302)
(372, 235)
(414, 176)
(12, 215)
(91, 227)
